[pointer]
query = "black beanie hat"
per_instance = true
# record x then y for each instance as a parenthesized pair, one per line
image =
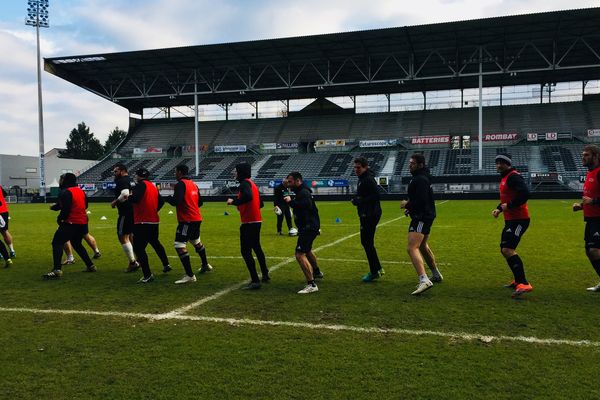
(244, 171)
(504, 158)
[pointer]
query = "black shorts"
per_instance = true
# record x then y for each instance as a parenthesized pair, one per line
(187, 231)
(420, 226)
(125, 224)
(145, 233)
(305, 241)
(70, 233)
(513, 232)
(4, 216)
(592, 235)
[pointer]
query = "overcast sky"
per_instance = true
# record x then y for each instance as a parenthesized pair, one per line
(80, 27)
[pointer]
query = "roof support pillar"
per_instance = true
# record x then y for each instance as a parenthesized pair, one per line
(196, 129)
(480, 115)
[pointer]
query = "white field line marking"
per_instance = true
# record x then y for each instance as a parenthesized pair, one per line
(348, 260)
(340, 328)
(221, 293)
(184, 309)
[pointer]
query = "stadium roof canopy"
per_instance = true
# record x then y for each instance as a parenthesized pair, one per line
(536, 48)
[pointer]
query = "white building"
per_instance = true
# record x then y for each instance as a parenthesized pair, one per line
(23, 171)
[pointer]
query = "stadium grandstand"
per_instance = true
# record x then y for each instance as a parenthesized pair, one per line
(460, 92)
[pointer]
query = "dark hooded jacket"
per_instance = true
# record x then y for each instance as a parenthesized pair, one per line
(306, 214)
(244, 172)
(367, 196)
(65, 199)
(421, 204)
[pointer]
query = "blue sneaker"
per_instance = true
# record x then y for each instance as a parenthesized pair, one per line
(369, 277)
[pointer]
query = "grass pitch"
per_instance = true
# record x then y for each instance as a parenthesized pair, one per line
(465, 338)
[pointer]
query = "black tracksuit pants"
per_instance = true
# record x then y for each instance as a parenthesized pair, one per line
(73, 233)
(368, 226)
(144, 234)
(285, 214)
(250, 240)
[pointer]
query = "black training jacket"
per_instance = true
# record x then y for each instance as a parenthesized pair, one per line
(366, 199)
(420, 196)
(306, 214)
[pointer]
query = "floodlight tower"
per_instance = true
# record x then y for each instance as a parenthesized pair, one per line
(37, 15)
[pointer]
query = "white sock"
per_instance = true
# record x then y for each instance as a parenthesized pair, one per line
(96, 250)
(423, 278)
(10, 246)
(128, 249)
(70, 257)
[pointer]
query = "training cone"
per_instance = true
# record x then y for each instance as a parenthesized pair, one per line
(225, 213)
(89, 212)
(103, 218)
(337, 220)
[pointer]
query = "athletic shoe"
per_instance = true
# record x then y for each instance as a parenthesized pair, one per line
(54, 274)
(279, 233)
(252, 286)
(318, 274)
(437, 277)
(143, 279)
(68, 262)
(423, 286)
(133, 266)
(97, 255)
(381, 272)
(369, 277)
(522, 288)
(8, 263)
(293, 232)
(12, 254)
(186, 279)
(511, 285)
(167, 268)
(309, 289)
(266, 279)
(91, 268)
(205, 268)
(594, 288)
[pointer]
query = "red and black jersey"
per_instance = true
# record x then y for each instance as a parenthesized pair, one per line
(248, 202)
(514, 193)
(189, 200)
(3, 205)
(76, 214)
(145, 208)
(591, 188)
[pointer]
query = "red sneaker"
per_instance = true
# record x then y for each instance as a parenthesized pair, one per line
(522, 288)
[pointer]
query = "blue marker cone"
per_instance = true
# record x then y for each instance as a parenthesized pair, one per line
(337, 220)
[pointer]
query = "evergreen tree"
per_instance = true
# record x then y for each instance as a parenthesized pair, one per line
(82, 144)
(114, 138)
